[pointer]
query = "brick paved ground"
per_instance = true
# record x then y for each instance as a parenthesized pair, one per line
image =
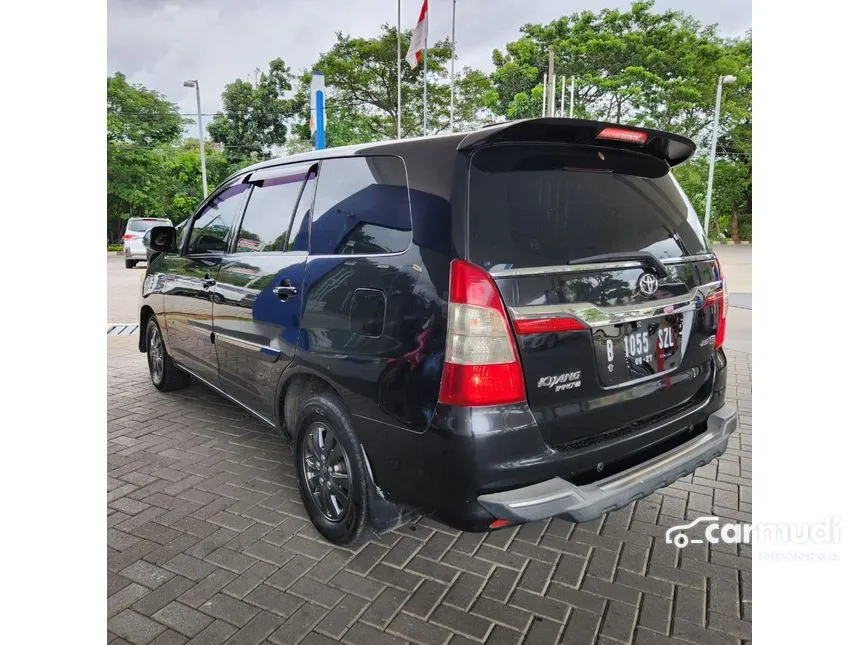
(208, 542)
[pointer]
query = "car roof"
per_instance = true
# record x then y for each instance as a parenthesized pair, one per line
(386, 146)
(672, 147)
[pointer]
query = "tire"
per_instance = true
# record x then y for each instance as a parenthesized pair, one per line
(164, 374)
(337, 464)
(130, 264)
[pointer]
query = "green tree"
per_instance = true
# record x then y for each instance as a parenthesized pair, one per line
(635, 66)
(255, 116)
(139, 123)
(731, 202)
(361, 89)
(182, 167)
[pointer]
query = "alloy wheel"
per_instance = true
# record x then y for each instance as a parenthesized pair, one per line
(326, 471)
(156, 354)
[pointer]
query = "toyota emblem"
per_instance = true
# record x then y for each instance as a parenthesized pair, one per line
(647, 284)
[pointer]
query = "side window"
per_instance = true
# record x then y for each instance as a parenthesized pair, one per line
(270, 209)
(298, 240)
(210, 232)
(361, 207)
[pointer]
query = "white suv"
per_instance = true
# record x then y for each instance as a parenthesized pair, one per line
(133, 248)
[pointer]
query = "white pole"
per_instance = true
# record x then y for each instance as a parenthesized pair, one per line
(551, 90)
(398, 71)
(562, 95)
(202, 148)
(426, 37)
(572, 85)
(453, 49)
(543, 97)
(196, 86)
(714, 133)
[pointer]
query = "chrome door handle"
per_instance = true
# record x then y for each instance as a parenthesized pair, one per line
(285, 291)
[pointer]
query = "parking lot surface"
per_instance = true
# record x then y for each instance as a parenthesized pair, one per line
(208, 542)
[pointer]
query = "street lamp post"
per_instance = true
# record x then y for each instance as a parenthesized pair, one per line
(196, 86)
(724, 80)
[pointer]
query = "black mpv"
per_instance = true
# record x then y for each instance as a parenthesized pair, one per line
(490, 327)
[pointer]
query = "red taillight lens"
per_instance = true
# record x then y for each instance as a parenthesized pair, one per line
(482, 366)
(547, 325)
(129, 236)
(720, 297)
(623, 134)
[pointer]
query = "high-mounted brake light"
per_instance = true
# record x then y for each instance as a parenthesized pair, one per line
(482, 366)
(623, 134)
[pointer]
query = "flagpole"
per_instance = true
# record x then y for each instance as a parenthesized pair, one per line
(562, 96)
(453, 50)
(398, 70)
(426, 37)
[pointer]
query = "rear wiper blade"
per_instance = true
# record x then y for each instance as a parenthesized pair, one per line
(640, 256)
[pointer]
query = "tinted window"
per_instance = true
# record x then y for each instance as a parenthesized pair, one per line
(210, 232)
(299, 237)
(533, 205)
(141, 225)
(269, 212)
(361, 207)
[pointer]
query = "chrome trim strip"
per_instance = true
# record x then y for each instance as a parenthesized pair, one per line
(565, 268)
(270, 353)
(226, 396)
(595, 316)
(702, 257)
(595, 266)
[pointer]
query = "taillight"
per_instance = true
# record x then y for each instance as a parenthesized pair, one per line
(720, 297)
(482, 366)
(129, 236)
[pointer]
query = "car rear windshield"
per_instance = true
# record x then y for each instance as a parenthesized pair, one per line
(541, 205)
(142, 225)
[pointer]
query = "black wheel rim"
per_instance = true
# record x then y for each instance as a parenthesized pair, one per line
(327, 475)
(156, 354)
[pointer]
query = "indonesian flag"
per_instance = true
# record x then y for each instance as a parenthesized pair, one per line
(419, 39)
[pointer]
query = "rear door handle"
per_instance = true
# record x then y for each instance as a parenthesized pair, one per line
(285, 291)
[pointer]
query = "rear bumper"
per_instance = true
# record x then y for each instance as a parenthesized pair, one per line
(134, 251)
(557, 497)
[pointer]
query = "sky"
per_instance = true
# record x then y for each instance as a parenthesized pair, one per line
(161, 43)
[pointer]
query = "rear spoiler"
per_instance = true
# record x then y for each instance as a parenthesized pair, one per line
(672, 148)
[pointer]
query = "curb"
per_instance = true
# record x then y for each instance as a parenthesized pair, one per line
(730, 243)
(114, 253)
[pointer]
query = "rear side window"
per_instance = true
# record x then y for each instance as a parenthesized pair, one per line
(299, 231)
(538, 205)
(266, 223)
(143, 225)
(361, 207)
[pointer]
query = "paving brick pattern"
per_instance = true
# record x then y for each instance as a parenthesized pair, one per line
(208, 543)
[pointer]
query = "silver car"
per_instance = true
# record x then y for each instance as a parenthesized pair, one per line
(133, 248)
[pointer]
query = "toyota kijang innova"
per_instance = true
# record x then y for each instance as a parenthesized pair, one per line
(491, 327)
